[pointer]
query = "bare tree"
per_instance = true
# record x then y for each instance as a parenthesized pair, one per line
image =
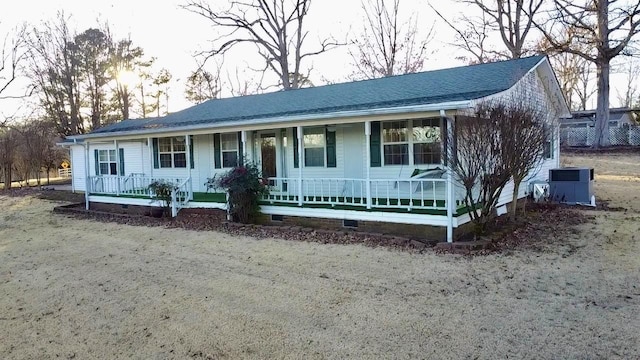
(512, 20)
(504, 139)
(8, 146)
(242, 85)
(55, 72)
(598, 31)
(474, 155)
(12, 56)
(471, 36)
(388, 46)
(203, 85)
(631, 94)
(125, 59)
(275, 27)
(574, 74)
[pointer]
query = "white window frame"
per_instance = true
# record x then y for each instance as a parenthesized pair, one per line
(409, 142)
(322, 131)
(234, 150)
(110, 158)
(172, 152)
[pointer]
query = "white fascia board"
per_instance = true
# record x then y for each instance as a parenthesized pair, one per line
(452, 105)
(123, 200)
(389, 217)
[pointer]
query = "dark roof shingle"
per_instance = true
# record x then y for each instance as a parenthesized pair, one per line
(430, 87)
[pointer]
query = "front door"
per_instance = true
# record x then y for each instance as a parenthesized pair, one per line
(268, 158)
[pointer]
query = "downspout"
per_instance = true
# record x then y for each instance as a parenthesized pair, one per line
(367, 140)
(87, 181)
(300, 164)
(450, 197)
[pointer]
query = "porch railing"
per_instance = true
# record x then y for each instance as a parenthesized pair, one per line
(137, 185)
(385, 193)
(180, 196)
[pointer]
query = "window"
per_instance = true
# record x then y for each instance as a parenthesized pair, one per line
(172, 152)
(412, 142)
(396, 142)
(426, 141)
(107, 162)
(229, 149)
(314, 145)
(547, 151)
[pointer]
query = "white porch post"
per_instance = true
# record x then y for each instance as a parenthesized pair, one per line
(367, 140)
(87, 181)
(300, 164)
(118, 175)
(243, 138)
(188, 149)
(150, 148)
(450, 197)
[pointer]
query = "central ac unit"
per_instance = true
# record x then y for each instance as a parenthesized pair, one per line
(572, 185)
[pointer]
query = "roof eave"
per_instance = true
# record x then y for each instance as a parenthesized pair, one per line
(451, 105)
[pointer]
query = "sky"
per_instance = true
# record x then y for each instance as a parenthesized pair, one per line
(173, 35)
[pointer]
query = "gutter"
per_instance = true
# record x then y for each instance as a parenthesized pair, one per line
(453, 105)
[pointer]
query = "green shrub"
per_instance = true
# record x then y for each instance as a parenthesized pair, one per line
(161, 191)
(245, 187)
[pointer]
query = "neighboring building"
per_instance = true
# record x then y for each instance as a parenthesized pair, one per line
(346, 152)
(582, 119)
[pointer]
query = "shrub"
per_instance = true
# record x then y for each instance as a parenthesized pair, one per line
(161, 191)
(245, 187)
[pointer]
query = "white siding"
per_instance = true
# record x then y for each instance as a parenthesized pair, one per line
(77, 168)
(533, 88)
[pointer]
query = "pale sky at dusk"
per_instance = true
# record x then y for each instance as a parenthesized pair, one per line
(173, 35)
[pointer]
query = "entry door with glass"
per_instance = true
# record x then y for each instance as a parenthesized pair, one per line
(268, 155)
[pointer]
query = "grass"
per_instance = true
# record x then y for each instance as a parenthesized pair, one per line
(85, 289)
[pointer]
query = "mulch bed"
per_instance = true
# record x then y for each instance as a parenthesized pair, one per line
(544, 224)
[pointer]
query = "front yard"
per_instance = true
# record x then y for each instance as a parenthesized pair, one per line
(83, 289)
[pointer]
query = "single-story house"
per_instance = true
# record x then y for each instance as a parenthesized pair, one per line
(587, 118)
(347, 152)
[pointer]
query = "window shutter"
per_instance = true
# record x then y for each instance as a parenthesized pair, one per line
(296, 161)
(376, 157)
(331, 148)
(156, 157)
(217, 161)
(193, 163)
(121, 158)
(95, 155)
(240, 150)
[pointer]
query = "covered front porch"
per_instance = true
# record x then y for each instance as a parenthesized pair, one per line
(348, 170)
(420, 196)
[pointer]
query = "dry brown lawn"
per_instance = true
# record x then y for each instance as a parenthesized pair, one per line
(83, 289)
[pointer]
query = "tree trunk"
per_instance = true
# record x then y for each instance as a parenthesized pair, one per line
(514, 202)
(602, 112)
(7, 177)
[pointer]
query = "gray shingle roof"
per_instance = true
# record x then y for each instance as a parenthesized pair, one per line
(431, 87)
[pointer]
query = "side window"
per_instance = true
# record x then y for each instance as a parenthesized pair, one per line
(395, 142)
(107, 162)
(172, 152)
(229, 149)
(314, 146)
